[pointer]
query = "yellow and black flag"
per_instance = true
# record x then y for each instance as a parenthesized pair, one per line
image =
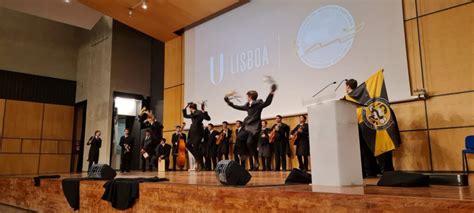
(377, 121)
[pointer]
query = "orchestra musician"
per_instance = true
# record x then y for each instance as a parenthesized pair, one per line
(301, 132)
(264, 150)
(175, 142)
(126, 142)
(146, 143)
(225, 136)
(254, 108)
(163, 153)
(281, 145)
(195, 134)
(211, 149)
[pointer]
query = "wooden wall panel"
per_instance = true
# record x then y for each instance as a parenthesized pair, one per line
(15, 164)
(446, 146)
(414, 152)
(11, 145)
(410, 115)
(173, 63)
(54, 163)
(172, 106)
(451, 110)
(429, 6)
(409, 9)
(413, 54)
(65, 147)
(31, 146)
(58, 122)
(2, 111)
(23, 119)
(49, 146)
(447, 50)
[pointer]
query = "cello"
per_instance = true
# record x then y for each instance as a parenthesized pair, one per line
(181, 159)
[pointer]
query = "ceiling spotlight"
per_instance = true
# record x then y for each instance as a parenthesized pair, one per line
(130, 12)
(144, 6)
(67, 1)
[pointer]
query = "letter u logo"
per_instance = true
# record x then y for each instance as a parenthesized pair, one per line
(221, 69)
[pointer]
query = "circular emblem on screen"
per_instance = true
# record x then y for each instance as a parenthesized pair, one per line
(377, 114)
(325, 36)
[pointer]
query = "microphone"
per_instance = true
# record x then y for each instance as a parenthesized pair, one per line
(340, 83)
(324, 88)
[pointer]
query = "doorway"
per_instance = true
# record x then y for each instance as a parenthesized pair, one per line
(126, 107)
(80, 111)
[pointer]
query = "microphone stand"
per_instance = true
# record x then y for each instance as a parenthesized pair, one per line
(340, 83)
(324, 88)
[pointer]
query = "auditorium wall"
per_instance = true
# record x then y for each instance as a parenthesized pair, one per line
(440, 44)
(35, 137)
(38, 46)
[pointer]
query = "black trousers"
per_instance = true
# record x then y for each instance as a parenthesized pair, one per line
(303, 162)
(280, 155)
(175, 158)
(226, 156)
(252, 140)
(236, 155)
(125, 161)
(146, 162)
(267, 163)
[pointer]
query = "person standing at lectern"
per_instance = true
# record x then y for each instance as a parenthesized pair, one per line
(252, 125)
(301, 132)
(126, 142)
(371, 165)
(95, 142)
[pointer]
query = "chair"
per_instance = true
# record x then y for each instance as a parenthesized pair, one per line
(469, 143)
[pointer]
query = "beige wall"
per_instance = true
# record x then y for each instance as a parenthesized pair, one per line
(440, 44)
(37, 46)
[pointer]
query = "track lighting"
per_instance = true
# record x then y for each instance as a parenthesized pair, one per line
(144, 6)
(141, 3)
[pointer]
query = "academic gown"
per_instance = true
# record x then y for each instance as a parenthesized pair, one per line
(264, 149)
(212, 146)
(94, 150)
(281, 145)
(196, 130)
(240, 141)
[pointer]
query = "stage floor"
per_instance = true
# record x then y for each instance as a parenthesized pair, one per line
(276, 181)
(201, 192)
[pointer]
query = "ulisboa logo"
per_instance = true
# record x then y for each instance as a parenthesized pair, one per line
(245, 61)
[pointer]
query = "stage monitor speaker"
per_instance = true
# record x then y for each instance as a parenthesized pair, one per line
(404, 179)
(298, 176)
(229, 172)
(101, 172)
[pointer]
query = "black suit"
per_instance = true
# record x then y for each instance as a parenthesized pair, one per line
(252, 123)
(148, 146)
(281, 146)
(196, 132)
(164, 151)
(211, 150)
(126, 155)
(175, 141)
(302, 145)
(223, 147)
(240, 147)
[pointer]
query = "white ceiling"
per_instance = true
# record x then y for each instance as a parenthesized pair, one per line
(73, 13)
